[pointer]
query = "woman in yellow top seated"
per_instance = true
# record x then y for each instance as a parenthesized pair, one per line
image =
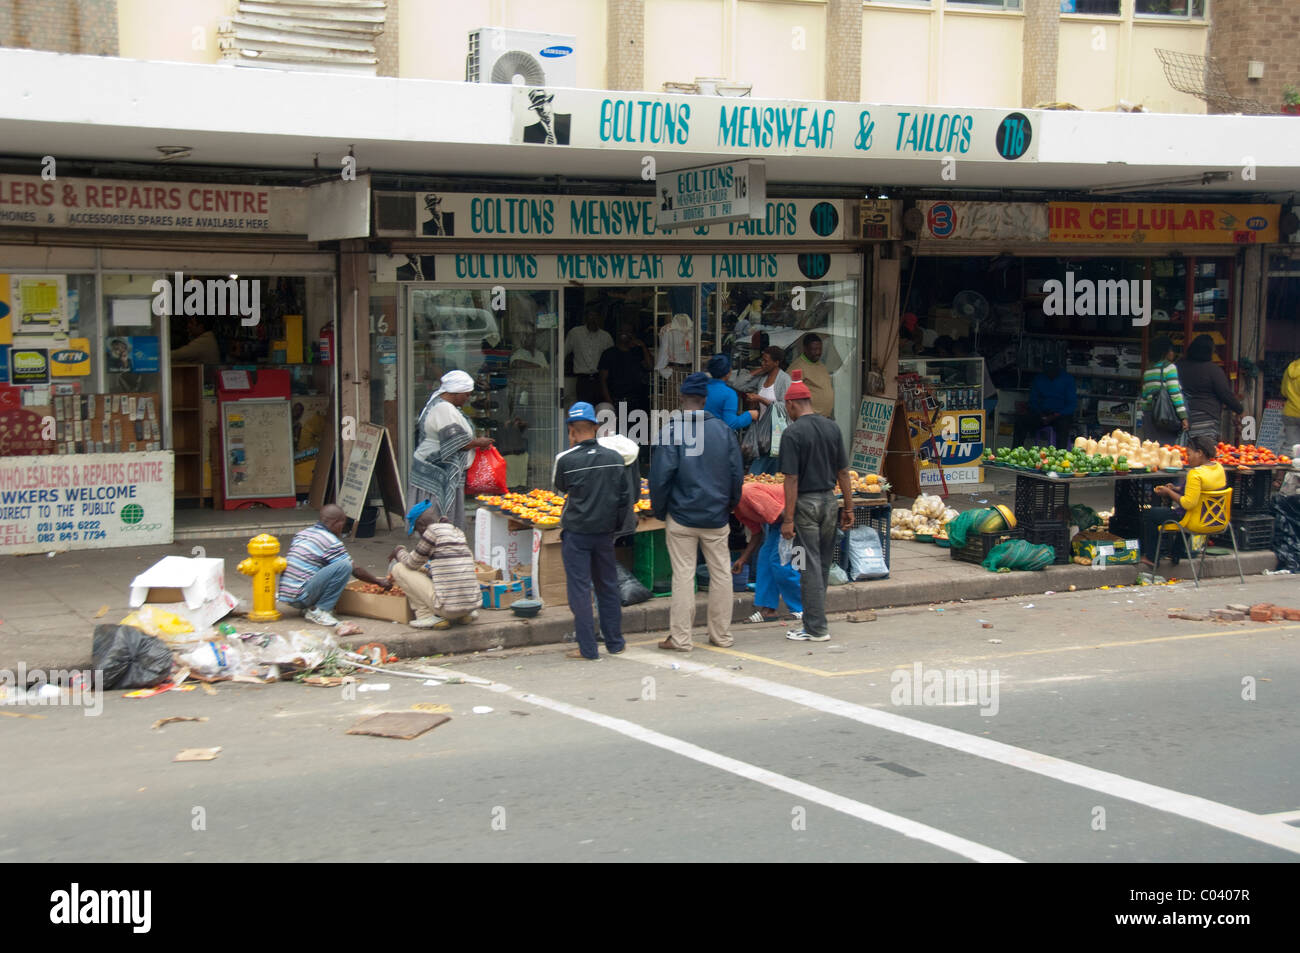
(1202, 474)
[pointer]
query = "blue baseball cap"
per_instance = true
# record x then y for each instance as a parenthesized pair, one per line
(582, 410)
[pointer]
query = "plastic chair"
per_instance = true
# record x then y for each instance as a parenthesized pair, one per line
(1211, 519)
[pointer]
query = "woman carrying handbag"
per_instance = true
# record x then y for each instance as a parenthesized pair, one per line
(1164, 410)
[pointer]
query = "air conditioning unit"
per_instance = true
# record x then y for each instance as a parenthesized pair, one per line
(719, 86)
(520, 57)
(395, 214)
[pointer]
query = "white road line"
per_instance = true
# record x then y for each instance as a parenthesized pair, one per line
(1234, 820)
(1286, 817)
(805, 792)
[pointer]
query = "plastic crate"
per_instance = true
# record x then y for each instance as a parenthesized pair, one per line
(979, 545)
(1250, 491)
(877, 516)
(1052, 533)
(650, 563)
(1037, 498)
(1253, 532)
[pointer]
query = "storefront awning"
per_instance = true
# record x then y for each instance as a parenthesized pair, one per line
(99, 108)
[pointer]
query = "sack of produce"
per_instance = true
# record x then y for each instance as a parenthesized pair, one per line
(1019, 554)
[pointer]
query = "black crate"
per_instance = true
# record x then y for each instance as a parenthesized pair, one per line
(877, 516)
(1250, 491)
(979, 545)
(1037, 498)
(1125, 524)
(1051, 533)
(1253, 532)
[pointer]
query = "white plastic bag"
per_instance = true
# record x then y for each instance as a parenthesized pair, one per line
(214, 658)
(785, 549)
(866, 555)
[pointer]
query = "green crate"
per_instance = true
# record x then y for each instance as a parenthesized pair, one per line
(650, 560)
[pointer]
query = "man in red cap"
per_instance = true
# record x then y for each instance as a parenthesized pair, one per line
(813, 459)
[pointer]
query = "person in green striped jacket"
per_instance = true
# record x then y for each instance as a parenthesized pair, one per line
(1161, 373)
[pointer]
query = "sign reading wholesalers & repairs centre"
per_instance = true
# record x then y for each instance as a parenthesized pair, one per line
(472, 215)
(92, 501)
(557, 118)
(723, 192)
(28, 201)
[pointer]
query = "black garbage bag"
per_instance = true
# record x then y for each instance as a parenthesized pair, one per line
(129, 658)
(630, 589)
(1286, 532)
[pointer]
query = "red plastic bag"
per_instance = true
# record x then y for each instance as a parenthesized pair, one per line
(487, 474)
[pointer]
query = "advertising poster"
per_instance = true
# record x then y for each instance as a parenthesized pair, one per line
(71, 360)
(29, 365)
(39, 303)
(145, 354)
(52, 504)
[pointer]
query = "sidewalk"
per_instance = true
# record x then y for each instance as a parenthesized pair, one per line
(49, 606)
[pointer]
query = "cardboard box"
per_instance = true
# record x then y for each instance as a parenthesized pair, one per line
(486, 575)
(502, 595)
(374, 605)
(194, 589)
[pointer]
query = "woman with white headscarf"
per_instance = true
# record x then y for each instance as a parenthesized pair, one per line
(443, 455)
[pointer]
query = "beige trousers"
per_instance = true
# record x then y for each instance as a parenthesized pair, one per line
(418, 588)
(682, 543)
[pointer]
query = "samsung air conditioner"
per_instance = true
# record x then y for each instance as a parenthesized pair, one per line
(520, 57)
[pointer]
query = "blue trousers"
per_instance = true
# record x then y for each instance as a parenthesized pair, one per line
(323, 589)
(764, 465)
(589, 559)
(775, 581)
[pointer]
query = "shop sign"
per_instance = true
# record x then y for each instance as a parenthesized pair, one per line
(557, 118)
(71, 360)
(28, 201)
(958, 438)
(469, 215)
(985, 221)
(23, 432)
(1162, 223)
(93, 501)
(871, 434)
(876, 219)
(616, 269)
(973, 473)
(712, 194)
(29, 365)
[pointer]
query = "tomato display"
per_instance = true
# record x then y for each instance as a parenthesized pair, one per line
(1249, 455)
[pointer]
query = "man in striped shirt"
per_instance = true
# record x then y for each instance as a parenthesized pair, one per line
(437, 575)
(1162, 373)
(319, 567)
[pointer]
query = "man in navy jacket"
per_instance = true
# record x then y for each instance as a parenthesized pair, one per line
(695, 479)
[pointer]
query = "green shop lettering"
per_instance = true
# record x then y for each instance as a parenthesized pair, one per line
(496, 266)
(596, 217)
(744, 266)
(943, 134)
(507, 216)
(618, 267)
(644, 120)
(780, 218)
(762, 127)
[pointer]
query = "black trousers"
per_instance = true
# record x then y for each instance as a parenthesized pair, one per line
(1028, 425)
(1152, 520)
(588, 388)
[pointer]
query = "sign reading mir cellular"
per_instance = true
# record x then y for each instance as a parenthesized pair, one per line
(708, 194)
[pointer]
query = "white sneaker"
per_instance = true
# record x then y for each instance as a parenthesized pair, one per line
(801, 635)
(320, 617)
(430, 622)
(797, 615)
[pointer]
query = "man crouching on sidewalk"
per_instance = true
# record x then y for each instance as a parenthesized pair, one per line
(438, 574)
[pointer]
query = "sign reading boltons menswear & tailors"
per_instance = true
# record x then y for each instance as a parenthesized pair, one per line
(666, 123)
(723, 192)
(474, 215)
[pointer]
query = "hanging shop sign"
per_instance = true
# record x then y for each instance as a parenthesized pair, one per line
(712, 194)
(611, 268)
(468, 215)
(93, 502)
(28, 201)
(557, 118)
(984, 221)
(1162, 223)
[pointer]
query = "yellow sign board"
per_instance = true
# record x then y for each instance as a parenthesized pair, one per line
(1162, 223)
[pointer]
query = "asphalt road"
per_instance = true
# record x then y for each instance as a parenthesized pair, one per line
(1116, 734)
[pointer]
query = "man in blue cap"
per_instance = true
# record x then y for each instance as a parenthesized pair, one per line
(695, 479)
(598, 500)
(722, 401)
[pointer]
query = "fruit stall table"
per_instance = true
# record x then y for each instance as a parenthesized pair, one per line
(1043, 501)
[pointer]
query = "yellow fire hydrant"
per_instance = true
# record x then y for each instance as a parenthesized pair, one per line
(263, 564)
